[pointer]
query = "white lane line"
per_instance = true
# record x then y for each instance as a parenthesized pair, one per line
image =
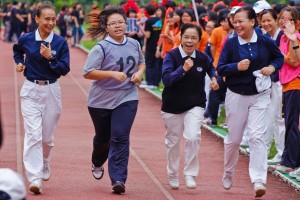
(78, 84)
(135, 155)
(18, 125)
(151, 175)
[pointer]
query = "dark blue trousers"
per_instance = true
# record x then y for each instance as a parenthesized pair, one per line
(111, 140)
(215, 98)
(291, 110)
(153, 68)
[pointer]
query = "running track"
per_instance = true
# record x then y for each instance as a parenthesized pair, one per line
(71, 161)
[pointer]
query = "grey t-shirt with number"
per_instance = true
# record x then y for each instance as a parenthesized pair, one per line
(109, 55)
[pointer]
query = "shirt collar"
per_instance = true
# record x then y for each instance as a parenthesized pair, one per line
(252, 40)
(276, 34)
(183, 54)
(108, 38)
(39, 38)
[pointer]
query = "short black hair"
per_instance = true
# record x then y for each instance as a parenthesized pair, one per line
(150, 9)
(186, 26)
(171, 4)
(190, 12)
(250, 13)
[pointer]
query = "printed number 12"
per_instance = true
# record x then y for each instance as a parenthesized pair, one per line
(120, 62)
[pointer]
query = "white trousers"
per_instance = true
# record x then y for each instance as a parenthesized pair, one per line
(41, 109)
(275, 122)
(188, 124)
(250, 111)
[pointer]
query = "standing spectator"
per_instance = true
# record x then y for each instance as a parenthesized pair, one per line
(258, 7)
(218, 37)
(209, 27)
(32, 26)
(61, 22)
(46, 59)
(275, 121)
(187, 16)
(78, 18)
(183, 103)
(247, 61)
(116, 65)
(15, 21)
(24, 15)
(132, 21)
(6, 15)
(151, 33)
(167, 36)
(289, 77)
(177, 19)
(69, 19)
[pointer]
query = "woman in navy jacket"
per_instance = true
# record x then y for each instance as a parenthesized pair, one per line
(247, 61)
(46, 59)
(183, 103)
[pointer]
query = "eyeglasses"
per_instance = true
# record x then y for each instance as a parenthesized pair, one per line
(120, 23)
(281, 19)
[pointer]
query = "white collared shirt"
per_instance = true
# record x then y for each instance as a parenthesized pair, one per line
(183, 54)
(39, 38)
(108, 38)
(276, 34)
(252, 40)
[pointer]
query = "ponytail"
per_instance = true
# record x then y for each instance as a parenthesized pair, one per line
(98, 20)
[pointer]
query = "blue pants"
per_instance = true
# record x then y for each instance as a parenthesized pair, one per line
(215, 98)
(77, 33)
(111, 140)
(153, 68)
(291, 110)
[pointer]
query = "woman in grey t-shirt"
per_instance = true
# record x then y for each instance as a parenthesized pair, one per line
(116, 64)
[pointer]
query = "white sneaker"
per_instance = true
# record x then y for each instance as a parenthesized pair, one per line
(244, 143)
(97, 172)
(174, 182)
(260, 189)
(190, 182)
(224, 125)
(247, 150)
(275, 160)
(207, 121)
(36, 186)
(143, 86)
(152, 87)
(46, 172)
(295, 174)
(227, 181)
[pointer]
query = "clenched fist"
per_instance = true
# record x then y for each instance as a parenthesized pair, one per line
(20, 67)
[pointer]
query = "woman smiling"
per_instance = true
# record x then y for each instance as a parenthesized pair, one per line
(183, 103)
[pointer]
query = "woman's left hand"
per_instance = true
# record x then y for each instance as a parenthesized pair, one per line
(267, 71)
(136, 77)
(45, 51)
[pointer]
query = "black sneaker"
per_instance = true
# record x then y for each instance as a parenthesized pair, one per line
(118, 187)
(97, 172)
